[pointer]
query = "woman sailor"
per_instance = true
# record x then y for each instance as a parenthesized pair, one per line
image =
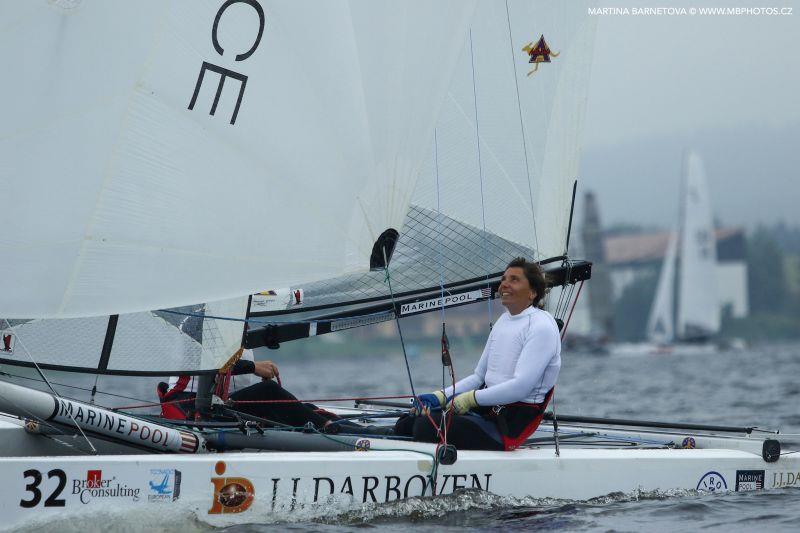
(502, 403)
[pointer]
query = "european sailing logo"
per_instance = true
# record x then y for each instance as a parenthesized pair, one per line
(164, 484)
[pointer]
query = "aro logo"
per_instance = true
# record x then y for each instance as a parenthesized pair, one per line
(231, 494)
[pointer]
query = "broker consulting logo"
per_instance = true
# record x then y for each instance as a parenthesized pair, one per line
(712, 482)
(231, 494)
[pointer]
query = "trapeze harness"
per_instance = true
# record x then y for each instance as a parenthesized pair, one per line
(513, 384)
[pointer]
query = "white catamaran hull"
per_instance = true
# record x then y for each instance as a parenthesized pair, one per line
(231, 488)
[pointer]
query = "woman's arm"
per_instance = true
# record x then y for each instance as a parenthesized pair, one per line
(476, 379)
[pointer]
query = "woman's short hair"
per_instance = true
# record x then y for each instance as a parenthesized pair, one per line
(535, 276)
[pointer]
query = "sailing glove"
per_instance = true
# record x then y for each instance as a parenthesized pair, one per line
(434, 400)
(464, 402)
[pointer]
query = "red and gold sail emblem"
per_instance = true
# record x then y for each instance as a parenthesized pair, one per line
(539, 53)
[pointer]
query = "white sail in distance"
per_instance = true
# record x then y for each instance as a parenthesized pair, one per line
(158, 154)
(698, 313)
(660, 324)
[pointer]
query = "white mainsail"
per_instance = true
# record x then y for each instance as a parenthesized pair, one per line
(660, 324)
(698, 314)
(124, 193)
(542, 127)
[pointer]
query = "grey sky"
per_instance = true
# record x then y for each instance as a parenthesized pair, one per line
(725, 85)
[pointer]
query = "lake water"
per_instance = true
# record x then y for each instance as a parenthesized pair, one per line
(758, 386)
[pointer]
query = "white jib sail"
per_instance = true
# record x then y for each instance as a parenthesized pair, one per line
(660, 324)
(698, 305)
(165, 153)
(519, 186)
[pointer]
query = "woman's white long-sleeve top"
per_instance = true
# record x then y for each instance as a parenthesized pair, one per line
(520, 362)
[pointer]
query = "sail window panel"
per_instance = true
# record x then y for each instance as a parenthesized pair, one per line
(186, 339)
(148, 342)
(71, 342)
(432, 249)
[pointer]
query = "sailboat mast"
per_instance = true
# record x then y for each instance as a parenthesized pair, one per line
(571, 212)
(681, 248)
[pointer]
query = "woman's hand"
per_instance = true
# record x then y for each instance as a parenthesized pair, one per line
(425, 403)
(266, 370)
(464, 402)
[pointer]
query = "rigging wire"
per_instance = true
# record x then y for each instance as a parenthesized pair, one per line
(388, 280)
(17, 376)
(522, 129)
(56, 429)
(447, 361)
(480, 170)
(44, 378)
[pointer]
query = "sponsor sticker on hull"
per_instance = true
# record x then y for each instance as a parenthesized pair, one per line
(749, 480)
(164, 485)
(785, 479)
(231, 494)
(96, 487)
(712, 482)
(296, 491)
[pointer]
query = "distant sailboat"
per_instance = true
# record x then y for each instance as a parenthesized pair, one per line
(686, 307)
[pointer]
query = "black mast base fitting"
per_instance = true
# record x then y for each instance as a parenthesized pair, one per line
(771, 450)
(447, 454)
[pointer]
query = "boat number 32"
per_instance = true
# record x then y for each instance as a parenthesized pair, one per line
(36, 493)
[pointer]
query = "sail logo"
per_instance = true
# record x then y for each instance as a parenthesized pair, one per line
(538, 53)
(749, 480)
(275, 300)
(446, 301)
(164, 485)
(712, 482)
(231, 494)
(9, 340)
(297, 297)
(94, 487)
(223, 72)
